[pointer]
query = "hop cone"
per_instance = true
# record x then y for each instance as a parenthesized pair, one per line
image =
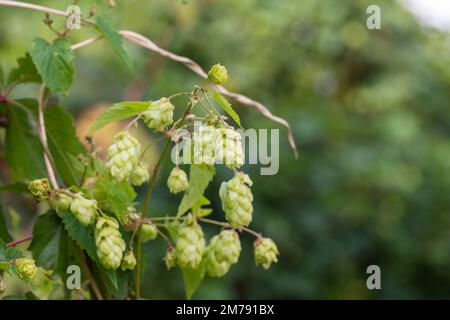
(203, 144)
(266, 252)
(177, 181)
(237, 200)
(84, 209)
(222, 252)
(229, 147)
(148, 231)
(218, 74)
(109, 242)
(170, 258)
(62, 202)
(123, 156)
(128, 261)
(40, 189)
(190, 244)
(140, 174)
(26, 268)
(159, 115)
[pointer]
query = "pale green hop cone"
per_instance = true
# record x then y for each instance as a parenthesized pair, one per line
(218, 74)
(123, 156)
(40, 189)
(109, 242)
(159, 115)
(128, 261)
(177, 181)
(140, 174)
(229, 147)
(26, 268)
(170, 258)
(190, 244)
(85, 210)
(237, 199)
(266, 252)
(223, 251)
(203, 145)
(148, 231)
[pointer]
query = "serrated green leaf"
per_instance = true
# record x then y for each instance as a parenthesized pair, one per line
(113, 37)
(118, 196)
(4, 233)
(19, 187)
(192, 279)
(24, 153)
(47, 233)
(64, 144)
(83, 235)
(54, 62)
(227, 107)
(198, 210)
(25, 72)
(199, 178)
(119, 111)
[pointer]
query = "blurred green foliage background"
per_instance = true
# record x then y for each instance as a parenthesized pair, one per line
(369, 110)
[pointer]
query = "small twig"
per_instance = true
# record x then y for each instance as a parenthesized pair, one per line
(43, 137)
(85, 43)
(87, 272)
(19, 241)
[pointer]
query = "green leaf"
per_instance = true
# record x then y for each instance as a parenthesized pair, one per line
(54, 62)
(118, 196)
(47, 232)
(25, 72)
(119, 111)
(114, 38)
(112, 277)
(63, 144)
(220, 99)
(24, 153)
(13, 253)
(2, 76)
(192, 279)
(19, 187)
(31, 296)
(4, 233)
(198, 210)
(199, 178)
(83, 236)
